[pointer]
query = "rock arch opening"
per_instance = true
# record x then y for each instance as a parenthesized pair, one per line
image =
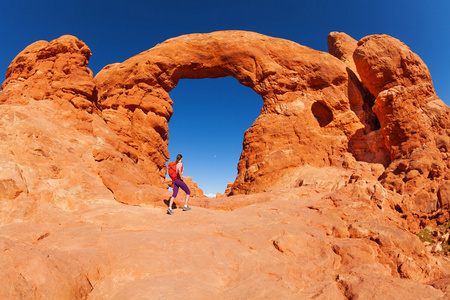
(322, 113)
(210, 117)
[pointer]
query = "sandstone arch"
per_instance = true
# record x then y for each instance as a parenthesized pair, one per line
(289, 77)
(322, 113)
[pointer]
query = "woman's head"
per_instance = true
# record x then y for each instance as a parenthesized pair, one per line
(179, 157)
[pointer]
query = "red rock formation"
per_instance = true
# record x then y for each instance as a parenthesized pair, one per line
(338, 223)
(55, 70)
(414, 121)
(366, 144)
(51, 127)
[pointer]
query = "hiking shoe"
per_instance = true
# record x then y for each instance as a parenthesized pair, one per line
(186, 208)
(170, 211)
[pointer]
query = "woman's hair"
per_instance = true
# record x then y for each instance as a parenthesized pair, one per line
(179, 157)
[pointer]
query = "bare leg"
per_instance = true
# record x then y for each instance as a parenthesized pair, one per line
(171, 202)
(186, 201)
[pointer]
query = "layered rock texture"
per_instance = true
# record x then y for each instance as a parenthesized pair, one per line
(348, 160)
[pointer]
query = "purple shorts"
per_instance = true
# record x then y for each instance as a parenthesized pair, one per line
(180, 184)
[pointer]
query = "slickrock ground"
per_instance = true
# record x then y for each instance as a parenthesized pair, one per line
(347, 162)
(294, 244)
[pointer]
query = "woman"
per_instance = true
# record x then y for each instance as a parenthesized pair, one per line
(179, 183)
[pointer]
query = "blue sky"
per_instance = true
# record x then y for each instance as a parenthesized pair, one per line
(211, 115)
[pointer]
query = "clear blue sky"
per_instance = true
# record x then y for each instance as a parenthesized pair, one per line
(211, 115)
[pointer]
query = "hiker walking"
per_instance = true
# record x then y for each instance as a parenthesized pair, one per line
(176, 173)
